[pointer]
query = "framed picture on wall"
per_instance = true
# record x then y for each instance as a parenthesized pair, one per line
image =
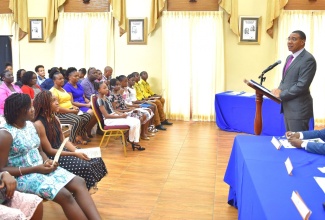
(36, 28)
(137, 30)
(250, 29)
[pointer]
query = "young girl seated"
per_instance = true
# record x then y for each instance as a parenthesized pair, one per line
(119, 104)
(112, 117)
(48, 125)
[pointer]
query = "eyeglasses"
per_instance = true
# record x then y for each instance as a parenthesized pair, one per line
(293, 39)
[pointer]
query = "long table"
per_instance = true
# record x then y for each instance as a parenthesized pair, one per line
(260, 186)
(236, 112)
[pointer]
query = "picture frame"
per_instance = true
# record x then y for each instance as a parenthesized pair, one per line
(137, 30)
(250, 29)
(36, 28)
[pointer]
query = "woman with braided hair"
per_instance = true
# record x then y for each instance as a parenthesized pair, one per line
(48, 125)
(22, 156)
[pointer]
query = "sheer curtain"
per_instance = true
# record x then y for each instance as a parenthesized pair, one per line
(9, 27)
(84, 40)
(312, 23)
(193, 63)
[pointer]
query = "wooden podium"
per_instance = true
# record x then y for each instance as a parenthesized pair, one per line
(260, 91)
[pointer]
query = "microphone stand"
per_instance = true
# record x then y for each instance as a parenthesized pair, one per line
(262, 77)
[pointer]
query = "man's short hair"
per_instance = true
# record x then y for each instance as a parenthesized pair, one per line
(37, 67)
(302, 35)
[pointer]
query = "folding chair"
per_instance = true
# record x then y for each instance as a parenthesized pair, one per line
(109, 131)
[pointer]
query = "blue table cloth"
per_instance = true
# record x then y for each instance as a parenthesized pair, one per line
(260, 186)
(237, 113)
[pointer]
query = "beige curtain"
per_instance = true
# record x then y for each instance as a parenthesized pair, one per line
(155, 12)
(119, 13)
(9, 27)
(20, 10)
(231, 7)
(52, 15)
(273, 11)
(312, 23)
(84, 40)
(193, 63)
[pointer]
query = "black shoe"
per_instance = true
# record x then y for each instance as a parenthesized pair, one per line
(100, 132)
(166, 122)
(137, 146)
(160, 127)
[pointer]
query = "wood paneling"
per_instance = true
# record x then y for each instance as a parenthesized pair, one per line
(305, 5)
(4, 7)
(178, 176)
(199, 5)
(92, 6)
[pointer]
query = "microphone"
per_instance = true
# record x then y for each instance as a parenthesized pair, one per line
(272, 66)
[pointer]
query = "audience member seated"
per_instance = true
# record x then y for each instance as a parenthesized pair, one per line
(48, 125)
(8, 67)
(132, 99)
(88, 83)
(6, 89)
(48, 83)
(117, 97)
(316, 147)
(112, 117)
(140, 96)
(30, 86)
(17, 205)
(69, 114)
(82, 73)
(40, 74)
(20, 73)
(148, 93)
(100, 75)
(78, 98)
(107, 76)
(22, 156)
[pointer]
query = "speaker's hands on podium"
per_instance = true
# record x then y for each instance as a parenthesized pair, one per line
(276, 92)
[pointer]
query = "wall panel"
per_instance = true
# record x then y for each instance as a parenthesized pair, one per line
(92, 6)
(305, 5)
(186, 5)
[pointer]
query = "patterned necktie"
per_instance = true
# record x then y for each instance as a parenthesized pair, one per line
(288, 64)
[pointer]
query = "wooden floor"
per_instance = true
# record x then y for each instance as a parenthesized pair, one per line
(178, 176)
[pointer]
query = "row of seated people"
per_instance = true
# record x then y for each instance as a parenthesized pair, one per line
(30, 138)
(74, 98)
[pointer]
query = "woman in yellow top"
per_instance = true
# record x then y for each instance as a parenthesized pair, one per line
(69, 114)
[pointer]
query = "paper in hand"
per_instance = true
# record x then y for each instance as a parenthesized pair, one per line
(58, 153)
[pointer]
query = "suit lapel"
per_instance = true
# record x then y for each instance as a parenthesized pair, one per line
(296, 60)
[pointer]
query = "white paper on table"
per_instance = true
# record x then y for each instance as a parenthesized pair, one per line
(93, 152)
(300, 205)
(289, 166)
(322, 169)
(276, 143)
(286, 144)
(235, 93)
(321, 182)
(58, 153)
(248, 94)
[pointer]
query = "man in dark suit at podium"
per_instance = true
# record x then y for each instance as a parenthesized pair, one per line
(298, 73)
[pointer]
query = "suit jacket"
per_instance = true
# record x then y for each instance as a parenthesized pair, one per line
(317, 148)
(297, 102)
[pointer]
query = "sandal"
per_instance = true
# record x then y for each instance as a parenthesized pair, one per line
(145, 138)
(137, 146)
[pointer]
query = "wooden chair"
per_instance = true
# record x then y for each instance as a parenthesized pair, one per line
(109, 131)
